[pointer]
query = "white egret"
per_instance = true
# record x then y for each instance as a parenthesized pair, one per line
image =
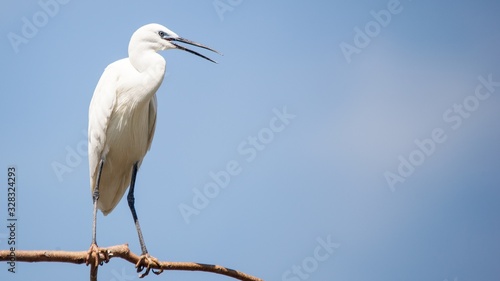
(122, 120)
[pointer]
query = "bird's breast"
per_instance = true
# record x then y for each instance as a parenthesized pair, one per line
(127, 134)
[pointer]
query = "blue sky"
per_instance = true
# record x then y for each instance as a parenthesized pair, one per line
(320, 179)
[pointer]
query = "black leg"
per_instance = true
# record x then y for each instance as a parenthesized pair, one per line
(131, 201)
(95, 197)
(145, 260)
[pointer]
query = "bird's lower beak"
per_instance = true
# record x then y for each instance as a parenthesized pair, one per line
(182, 40)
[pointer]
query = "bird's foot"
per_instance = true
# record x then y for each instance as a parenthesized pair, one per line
(96, 255)
(148, 262)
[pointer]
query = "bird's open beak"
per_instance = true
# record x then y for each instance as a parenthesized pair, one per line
(180, 39)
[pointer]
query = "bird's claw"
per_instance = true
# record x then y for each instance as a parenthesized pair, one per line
(97, 256)
(147, 261)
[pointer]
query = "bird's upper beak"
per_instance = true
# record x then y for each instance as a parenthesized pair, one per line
(183, 40)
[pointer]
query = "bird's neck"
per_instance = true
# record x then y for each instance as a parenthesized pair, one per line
(150, 67)
(145, 60)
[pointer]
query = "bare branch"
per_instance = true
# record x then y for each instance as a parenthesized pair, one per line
(120, 251)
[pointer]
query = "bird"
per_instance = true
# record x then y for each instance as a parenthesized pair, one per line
(122, 122)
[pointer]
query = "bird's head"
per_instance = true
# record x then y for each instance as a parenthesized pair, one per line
(157, 38)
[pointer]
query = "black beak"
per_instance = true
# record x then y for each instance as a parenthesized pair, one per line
(180, 39)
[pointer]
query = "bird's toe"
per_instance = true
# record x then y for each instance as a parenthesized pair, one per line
(97, 256)
(150, 264)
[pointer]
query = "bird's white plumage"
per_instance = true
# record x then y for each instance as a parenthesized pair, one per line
(122, 114)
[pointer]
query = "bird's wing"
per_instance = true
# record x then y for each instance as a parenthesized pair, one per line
(152, 120)
(101, 107)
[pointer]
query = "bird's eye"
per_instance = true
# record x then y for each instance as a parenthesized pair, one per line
(161, 33)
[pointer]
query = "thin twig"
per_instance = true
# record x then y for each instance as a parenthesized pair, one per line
(120, 251)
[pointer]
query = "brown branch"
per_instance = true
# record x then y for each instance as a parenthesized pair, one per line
(120, 251)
